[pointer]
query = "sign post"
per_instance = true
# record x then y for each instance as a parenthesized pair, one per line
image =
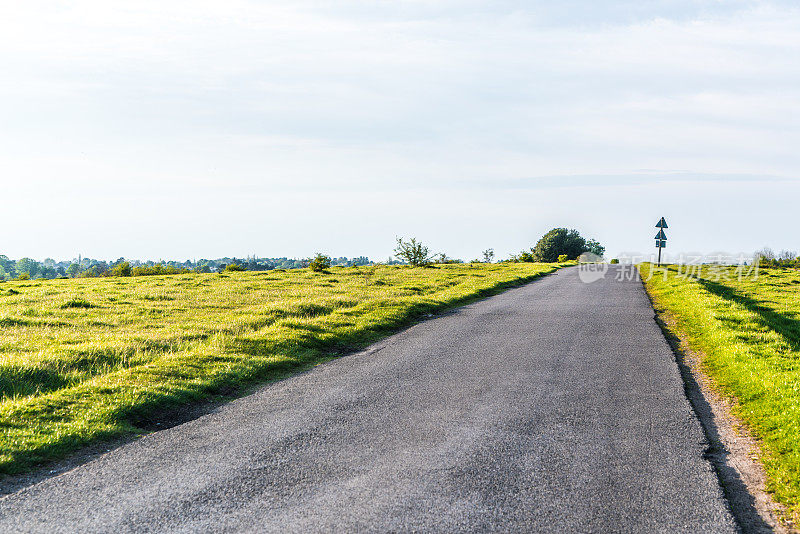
(661, 237)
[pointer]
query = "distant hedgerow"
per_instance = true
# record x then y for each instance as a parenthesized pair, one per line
(157, 269)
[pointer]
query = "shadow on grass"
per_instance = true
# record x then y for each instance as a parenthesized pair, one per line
(785, 325)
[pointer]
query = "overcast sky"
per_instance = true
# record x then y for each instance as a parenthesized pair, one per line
(171, 129)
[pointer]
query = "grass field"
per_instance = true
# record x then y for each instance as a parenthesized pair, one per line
(747, 332)
(85, 360)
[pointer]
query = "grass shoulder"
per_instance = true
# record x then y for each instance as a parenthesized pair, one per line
(746, 331)
(87, 360)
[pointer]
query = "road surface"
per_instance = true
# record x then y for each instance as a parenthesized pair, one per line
(556, 406)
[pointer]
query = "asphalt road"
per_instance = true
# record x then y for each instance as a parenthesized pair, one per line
(556, 406)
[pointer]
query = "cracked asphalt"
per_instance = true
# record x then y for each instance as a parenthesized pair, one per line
(553, 407)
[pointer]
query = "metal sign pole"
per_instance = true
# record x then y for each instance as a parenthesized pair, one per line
(661, 237)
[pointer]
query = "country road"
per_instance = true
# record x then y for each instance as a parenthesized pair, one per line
(553, 407)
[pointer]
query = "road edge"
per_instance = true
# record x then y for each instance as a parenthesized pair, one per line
(733, 451)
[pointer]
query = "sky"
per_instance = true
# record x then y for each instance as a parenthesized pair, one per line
(199, 129)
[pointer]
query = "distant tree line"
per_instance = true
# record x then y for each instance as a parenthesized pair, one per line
(27, 268)
(766, 257)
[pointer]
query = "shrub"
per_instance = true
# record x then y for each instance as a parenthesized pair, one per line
(319, 263)
(614, 261)
(488, 255)
(157, 269)
(24, 276)
(562, 258)
(524, 257)
(94, 271)
(121, 269)
(235, 267)
(412, 252)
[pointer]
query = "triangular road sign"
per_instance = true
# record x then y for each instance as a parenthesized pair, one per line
(661, 235)
(662, 223)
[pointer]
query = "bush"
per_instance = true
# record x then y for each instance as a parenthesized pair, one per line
(525, 257)
(157, 269)
(235, 267)
(121, 269)
(94, 271)
(24, 276)
(562, 258)
(614, 261)
(412, 252)
(319, 263)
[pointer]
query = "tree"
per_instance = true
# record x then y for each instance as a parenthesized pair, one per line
(319, 263)
(488, 255)
(559, 241)
(73, 270)
(412, 252)
(765, 253)
(595, 247)
(7, 265)
(29, 266)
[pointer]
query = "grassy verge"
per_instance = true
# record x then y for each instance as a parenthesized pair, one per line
(747, 331)
(86, 360)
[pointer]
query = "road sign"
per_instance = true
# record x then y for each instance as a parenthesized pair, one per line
(661, 237)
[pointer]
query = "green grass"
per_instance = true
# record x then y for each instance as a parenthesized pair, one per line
(748, 335)
(86, 360)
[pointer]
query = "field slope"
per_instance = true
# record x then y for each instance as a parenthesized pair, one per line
(89, 359)
(747, 331)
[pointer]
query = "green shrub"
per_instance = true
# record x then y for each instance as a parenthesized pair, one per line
(412, 252)
(562, 258)
(24, 276)
(319, 263)
(121, 269)
(235, 267)
(157, 269)
(614, 261)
